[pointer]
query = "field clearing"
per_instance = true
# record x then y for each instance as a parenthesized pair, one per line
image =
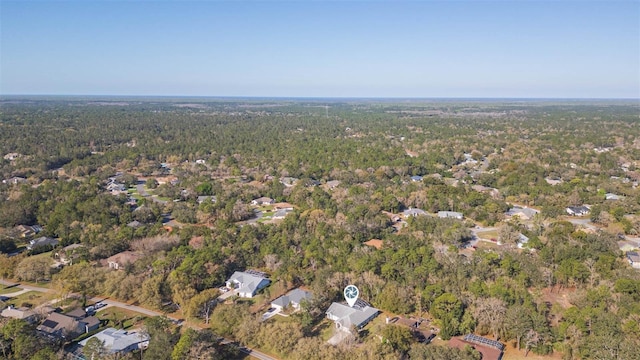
(492, 234)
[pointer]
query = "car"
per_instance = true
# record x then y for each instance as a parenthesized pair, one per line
(99, 305)
(90, 310)
(271, 310)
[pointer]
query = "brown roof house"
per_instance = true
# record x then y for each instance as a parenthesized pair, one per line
(120, 260)
(61, 326)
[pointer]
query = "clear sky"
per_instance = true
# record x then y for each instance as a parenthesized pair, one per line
(517, 48)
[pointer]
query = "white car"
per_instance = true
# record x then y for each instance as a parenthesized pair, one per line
(99, 305)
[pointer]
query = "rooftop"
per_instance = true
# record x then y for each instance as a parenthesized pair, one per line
(118, 340)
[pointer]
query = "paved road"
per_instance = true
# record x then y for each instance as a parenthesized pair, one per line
(144, 193)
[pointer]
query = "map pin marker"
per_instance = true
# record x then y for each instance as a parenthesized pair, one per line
(351, 293)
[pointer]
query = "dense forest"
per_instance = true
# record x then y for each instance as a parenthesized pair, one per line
(355, 167)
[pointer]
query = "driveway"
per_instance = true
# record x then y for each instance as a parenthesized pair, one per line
(338, 337)
(269, 314)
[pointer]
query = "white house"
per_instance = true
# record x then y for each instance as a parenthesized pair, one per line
(577, 210)
(263, 201)
(293, 298)
(450, 214)
(411, 212)
(247, 282)
(346, 317)
(120, 341)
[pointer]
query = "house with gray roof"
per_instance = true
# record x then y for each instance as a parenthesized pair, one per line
(524, 213)
(120, 341)
(346, 317)
(293, 298)
(634, 259)
(263, 201)
(411, 212)
(450, 214)
(42, 241)
(247, 283)
(22, 313)
(611, 196)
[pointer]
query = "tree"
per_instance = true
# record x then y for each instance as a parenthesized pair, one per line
(7, 246)
(490, 313)
(517, 323)
(398, 337)
(163, 337)
(94, 349)
(202, 304)
(508, 235)
(34, 268)
(531, 340)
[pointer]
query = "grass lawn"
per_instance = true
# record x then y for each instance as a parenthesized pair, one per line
(33, 298)
(487, 245)
(9, 290)
(121, 318)
(326, 328)
(488, 234)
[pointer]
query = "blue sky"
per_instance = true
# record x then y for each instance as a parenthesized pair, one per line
(552, 49)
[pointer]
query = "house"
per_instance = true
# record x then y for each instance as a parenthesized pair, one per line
(263, 201)
(120, 260)
(288, 181)
(62, 326)
(247, 282)
(522, 239)
(11, 156)
(346, 317)
(577, 210)
(120, 341)
(28, 231)
(416, 178)
(23, 313)
(282, 205)
(281, 214)
(413, 213)
(116, 187)
(490, 349)
(332, 184)
(375, 243)
(634, 259)
(293, 298)
(135, 224)
(90, 323)
(202, 199)
(523, 213)
(42, 241)
(68, 253)
(611, 196)
(450, 214)
(14, 180)
(552, 181)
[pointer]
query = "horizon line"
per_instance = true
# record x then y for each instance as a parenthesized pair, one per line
(322, 97)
